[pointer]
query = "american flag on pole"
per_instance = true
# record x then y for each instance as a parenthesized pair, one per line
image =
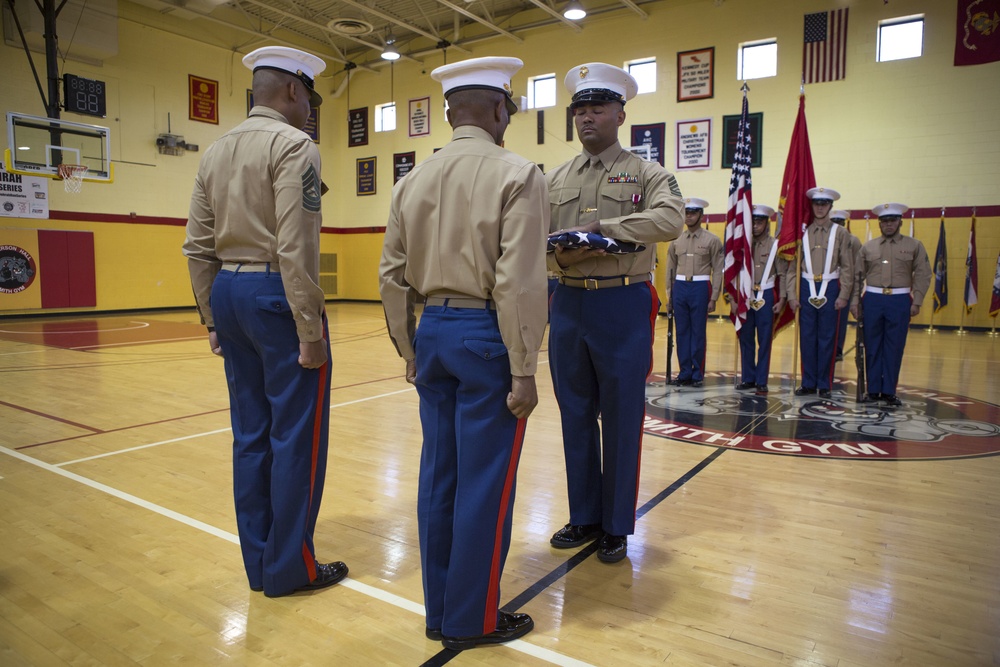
(738, 268)
(824, 47)
(971, 271)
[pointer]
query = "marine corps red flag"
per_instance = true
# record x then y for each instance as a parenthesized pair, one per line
(738, 271)
(977, 36)
(794, 209)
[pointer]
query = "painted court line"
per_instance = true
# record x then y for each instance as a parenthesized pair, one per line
(364, 589)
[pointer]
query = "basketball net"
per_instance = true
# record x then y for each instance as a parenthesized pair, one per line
(72, 176)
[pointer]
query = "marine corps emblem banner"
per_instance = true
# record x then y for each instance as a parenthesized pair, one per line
(977, 36)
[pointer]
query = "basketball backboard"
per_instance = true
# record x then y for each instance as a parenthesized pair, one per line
(38, 145)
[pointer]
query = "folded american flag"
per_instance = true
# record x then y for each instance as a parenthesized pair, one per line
(585, 240)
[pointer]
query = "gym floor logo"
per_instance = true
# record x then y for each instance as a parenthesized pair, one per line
(17, 269)
(929, 425)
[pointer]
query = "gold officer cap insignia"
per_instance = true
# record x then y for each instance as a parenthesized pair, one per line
(584, 71)
(506, 87)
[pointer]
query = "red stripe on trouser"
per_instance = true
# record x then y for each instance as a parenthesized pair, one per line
(654, 309)
(490, 617)
(307, 555)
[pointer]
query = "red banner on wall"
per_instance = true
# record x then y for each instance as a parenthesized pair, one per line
(203, 99)
(977, 36)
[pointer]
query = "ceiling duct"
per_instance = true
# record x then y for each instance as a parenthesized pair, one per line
(349, 25)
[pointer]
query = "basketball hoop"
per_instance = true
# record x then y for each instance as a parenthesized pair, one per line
(72, 176)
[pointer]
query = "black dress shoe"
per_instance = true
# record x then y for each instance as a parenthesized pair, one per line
(891, 400)
(327, 574)
(761, 389)
(746, 385)
(434, 634)
(824, 393)
(509, 627)
(613, 548)
(682, 383)
(805, 391)
(570, 536)
(696, 383)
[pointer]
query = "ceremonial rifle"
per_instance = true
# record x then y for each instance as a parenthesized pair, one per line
(670, 330)
(859, 346)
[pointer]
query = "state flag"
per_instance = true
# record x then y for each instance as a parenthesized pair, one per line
(941, 271)
(971, 271)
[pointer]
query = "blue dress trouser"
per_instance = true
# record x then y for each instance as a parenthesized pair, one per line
(600, 353)
(468, 466)
(281, 418)
(818, 328)
(690, 304)
(887, 321)
(756, 360)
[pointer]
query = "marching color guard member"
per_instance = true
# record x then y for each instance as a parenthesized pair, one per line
(827, 267)
(694, 281)
(768, 268)
(896, 275)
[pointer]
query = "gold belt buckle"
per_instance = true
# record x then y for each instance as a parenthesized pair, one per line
(688, 278)
(590, 283)
(886, 290)
(818, 276)
(756, 288)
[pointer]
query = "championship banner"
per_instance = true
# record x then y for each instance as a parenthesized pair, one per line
(357, 127)
(695, 72)
(23, 196)
(402, 163)
(694, 144)
(651, 135)
(977, 34)
(420, 118)
(366, 176)
(203, 99)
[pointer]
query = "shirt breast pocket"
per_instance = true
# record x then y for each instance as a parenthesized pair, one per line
(565, 207)
(618, 201)
(904, 254)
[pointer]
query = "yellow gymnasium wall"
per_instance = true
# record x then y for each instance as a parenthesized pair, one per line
(919, 131)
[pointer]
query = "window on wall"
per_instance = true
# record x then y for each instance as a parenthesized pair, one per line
(757, 60)
(644, 73)
(385, 117)
(900, 38)
(542, 91)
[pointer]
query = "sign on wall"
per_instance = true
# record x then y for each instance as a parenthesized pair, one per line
(695, 72)
(357, 127)
(420, 117)
(731, 127)
(366, 176)
(402, 163)
(23, 196)
(651, 135)
(203, 99)
(694, 144)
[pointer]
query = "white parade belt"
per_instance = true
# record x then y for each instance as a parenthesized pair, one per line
(697, 279)
(818, 299)
(887, 290)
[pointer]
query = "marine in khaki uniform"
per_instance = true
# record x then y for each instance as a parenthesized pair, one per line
(824, 290)
(604, 309)
(253, 253)
(467, 230)
(694, 281)
(896, 274)
(769, 271)
(840, 217)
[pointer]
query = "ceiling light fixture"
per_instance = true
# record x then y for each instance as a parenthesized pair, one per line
(574, 11)
(390, 52)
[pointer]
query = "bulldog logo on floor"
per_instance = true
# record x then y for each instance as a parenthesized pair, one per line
(929, 425)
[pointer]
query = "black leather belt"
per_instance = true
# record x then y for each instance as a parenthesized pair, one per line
(603, 283)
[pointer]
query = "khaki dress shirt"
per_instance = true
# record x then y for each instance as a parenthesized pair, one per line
(257, 199)
(761, 249)
(471, 220)
(697, 253)
(897, 262)
(635, 200)
(843, 259)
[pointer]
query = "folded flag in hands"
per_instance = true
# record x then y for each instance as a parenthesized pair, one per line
(585, 240)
